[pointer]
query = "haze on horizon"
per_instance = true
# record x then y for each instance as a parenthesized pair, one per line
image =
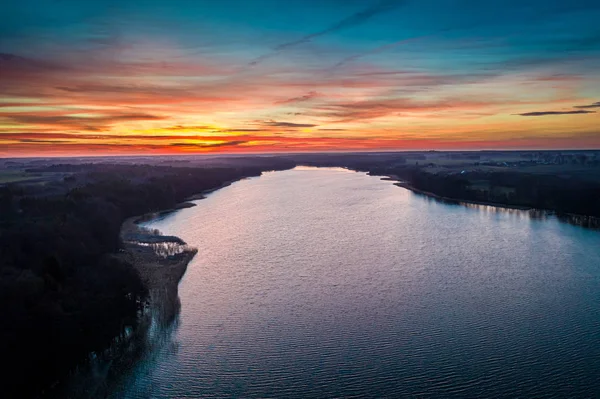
(131, 77)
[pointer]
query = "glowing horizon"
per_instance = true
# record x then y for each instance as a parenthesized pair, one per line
(246, 77)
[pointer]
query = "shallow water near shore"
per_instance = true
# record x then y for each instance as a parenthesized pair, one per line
(331, 283)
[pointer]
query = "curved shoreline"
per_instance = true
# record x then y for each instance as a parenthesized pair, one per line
(404, 184)
(579, 220)
(160, 272)
(160, 275)
(461, 201)
(139, 243)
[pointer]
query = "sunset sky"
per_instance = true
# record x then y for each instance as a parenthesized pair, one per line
(159, 77)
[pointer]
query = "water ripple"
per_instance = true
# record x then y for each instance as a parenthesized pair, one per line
(330, 283)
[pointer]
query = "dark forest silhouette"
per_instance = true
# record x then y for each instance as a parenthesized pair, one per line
(62, 292)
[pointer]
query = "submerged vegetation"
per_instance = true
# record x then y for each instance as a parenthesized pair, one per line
(64, 291)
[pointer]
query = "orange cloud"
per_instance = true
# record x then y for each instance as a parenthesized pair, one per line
(94, 103)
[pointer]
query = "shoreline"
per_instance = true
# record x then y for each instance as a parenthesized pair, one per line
(572, 218)
(161, 261)
(404, 184)
(408, 186)
(202, 194)
(139, 247)
(161, 276)
(114, 280)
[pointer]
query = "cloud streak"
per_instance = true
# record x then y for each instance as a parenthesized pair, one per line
(355, 19)
(307, 97)
(549, 113)
(594, 105)
(231, 143)
(288, 124)
(393, 107)
(381, 49)
(83, 123)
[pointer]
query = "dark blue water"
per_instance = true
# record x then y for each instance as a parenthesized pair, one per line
(330, 283)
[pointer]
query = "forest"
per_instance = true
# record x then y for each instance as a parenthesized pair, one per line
(63, 295)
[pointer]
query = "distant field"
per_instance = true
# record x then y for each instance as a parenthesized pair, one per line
(441, 164)
(16, 176)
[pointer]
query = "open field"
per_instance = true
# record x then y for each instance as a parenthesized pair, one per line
(10, 176)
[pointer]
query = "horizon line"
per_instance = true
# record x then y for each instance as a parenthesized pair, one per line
(251, 154)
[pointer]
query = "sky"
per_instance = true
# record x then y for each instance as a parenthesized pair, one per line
(181, 77)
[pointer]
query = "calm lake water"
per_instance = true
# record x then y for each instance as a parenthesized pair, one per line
(331, 283)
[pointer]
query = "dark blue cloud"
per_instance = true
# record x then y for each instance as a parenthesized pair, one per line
(360, 17)
(547, 113)
(287, 124)
(594, 105)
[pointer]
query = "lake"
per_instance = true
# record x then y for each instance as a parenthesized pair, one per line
(331, 283)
